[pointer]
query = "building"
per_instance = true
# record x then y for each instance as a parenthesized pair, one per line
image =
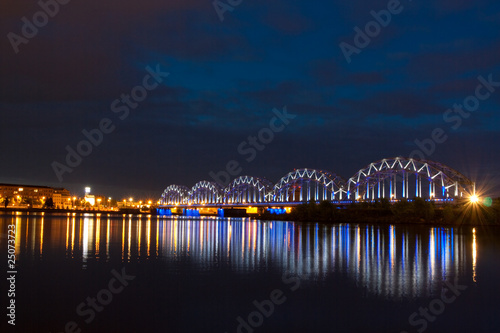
(34, 195)
(62, 198)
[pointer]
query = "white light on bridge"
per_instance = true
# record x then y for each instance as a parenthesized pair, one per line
(474, 199)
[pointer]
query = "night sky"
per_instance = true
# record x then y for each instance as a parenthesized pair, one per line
(226, 77)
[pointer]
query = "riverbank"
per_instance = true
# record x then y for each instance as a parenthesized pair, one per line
(76, 211)
(417, 211)
(380, 212)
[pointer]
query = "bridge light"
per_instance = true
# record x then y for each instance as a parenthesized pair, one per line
(474, 199)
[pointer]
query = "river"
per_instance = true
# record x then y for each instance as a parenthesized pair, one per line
(141, 273)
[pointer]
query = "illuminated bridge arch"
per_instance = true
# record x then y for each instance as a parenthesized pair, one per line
(247, 189)
(400, 177)
(174, 195)
(309, 184)
(205, 192)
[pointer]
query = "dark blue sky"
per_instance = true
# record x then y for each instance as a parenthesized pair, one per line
(226, 77)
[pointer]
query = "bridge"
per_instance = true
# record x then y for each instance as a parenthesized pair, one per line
(394, 179)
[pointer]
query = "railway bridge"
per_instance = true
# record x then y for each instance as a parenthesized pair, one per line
(394, 178)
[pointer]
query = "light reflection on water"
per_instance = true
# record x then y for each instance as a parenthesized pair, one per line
(391, 261)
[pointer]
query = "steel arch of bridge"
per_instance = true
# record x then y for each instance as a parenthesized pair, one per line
(247, 189)
(205, 192)
(297, 186)
(393, 178)
(380, 180)
(174, 195)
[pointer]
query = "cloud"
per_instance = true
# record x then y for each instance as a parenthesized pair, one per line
(448, 64)
(401, 103)
(226, 77)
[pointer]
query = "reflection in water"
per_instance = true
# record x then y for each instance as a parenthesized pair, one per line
(73, 222)
(393, 261)
(474, 254)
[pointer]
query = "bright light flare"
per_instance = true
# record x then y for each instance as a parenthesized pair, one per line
(474, 199)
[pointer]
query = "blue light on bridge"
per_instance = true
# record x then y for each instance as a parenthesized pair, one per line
(368, 184)
(277, 211)
(164, 211)
(191, 212)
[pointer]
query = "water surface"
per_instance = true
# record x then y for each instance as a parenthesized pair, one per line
(222, 274)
